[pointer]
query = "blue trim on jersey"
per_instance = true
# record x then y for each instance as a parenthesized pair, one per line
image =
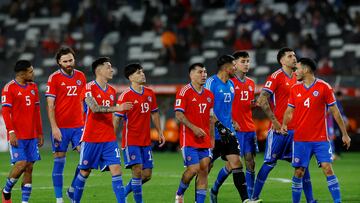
(331, 104)
(293, 106)
(239, 79)
(119, 115)
(267, 90)
(307, 88)
(282, 69)
(66, 75)
(107, 86)
(155, 110)
(179, 109)
(8, 105)
(50, 95)
(142, 91)
(22, 86)
(202, 90)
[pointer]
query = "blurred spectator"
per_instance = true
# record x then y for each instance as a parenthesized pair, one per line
(51, 43)
(243, 42)
(69, 40)
(150, 13)
(325, 67)
(168, 40)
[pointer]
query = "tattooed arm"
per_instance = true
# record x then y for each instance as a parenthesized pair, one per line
(92, 104)
(263, 102)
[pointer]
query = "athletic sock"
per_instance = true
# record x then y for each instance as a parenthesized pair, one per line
(222, 175)
(260, 180)
(79, 187)
(307, 187)
(250, 180)
(57, 176)
(117, 184)
(26, 192)
(182, 188)
(296, 188)
(10, 182)
(240, 183)
(200, 195)
(136, 185)
(334, 188)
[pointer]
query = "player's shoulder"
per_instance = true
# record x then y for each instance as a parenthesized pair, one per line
(32, 84)
(184, 90)
(277, 74)
(323, 83)
(148, 90)
(208, 92)
(111, 88)
(80, 73)
(250, 80)
(8, 85)
(297, 84)
(125, 92)
(54, 75)
(90, 84)
(211, 80)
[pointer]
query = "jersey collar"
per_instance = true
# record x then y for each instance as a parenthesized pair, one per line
(104, 90)
(22, 86)
(142, 90)
(199, 93)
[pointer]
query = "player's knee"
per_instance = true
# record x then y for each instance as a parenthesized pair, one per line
(146, 178)
(250, 165)
(299, 172)
(327, 169)
(20, 165)
(29, 168)
(59, 154)
(85, 172)
(236, 164)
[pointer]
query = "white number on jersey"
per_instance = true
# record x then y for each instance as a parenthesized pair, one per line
(71, 90)
(202, 107)
(227, 97)
(145, 107)
(244, 95)
(268, 84)
(28, 101)
(3, 99)
(106, 103)
(307, 102)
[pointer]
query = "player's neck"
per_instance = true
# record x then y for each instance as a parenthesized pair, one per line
(309, 80)
(223, 76)
(240, 75)
(137, 87)
(102, 82)
(20, 81)
(197, 87)
(69, 73)
(288, 70)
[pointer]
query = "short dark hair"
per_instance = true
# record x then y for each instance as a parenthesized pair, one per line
(131, 68)
(98, 62)
(240, 54)
(224, 59)
(282, 52)
(22, 65)
(194, 65)
(309, 63)
(63, 51)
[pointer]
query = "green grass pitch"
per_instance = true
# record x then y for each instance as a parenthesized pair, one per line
(166, 176)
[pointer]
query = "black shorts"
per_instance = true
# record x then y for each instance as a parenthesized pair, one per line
(222, 150)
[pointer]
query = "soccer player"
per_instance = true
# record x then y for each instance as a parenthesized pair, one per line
(308, 102)
(136, 142)
(99, 148)
(244, 101)
(194, 109)
(278, 146)
(226, 144)
(66, 115)
(21, 112)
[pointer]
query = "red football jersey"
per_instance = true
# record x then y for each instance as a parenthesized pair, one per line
(99, 126)
(278, 85)
(21, 109)
(67, 92)
(310, 110)
(244, 97)
(136, 124)
(196, 108)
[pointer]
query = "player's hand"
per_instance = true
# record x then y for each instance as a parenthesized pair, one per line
(162, 139)
(13, 139)
(284, 130)
(124, 106)
(40, 140)
(236, 126)
(346, 140)
(276, 126)
(57, 134)
(224, 132)
(198, 132)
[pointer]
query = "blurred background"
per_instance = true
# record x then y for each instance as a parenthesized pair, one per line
(166, 36)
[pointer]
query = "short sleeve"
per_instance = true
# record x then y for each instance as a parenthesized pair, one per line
(270, 85)
(291, 100)
(6, 97)
(180, 102)
(51, 87)
(121, 100)
(329, 95)
(154, 106)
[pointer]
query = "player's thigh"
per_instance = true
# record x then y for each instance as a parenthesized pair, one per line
(61, 146)
(147, 157)
(18, 153)
(323, 152)
(90, 155)
(132, 156)
(275, 143)
(32, 150)
(76, 137)
(302, 152)
(110, 155)
(115, 169)
(216, 151)
(231, 148)
(190, 156)
(249, 144)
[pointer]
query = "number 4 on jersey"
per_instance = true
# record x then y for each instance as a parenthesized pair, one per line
(307, 102)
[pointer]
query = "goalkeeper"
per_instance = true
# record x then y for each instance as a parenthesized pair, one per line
(226, 144)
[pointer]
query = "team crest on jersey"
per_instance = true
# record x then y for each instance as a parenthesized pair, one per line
(209, 99)
(85, 162)
(250, 88)
(149, 99)
(33, 92)
(112, 97)
(133, 157)
(316, 93)
(231, 89)
(78, 82)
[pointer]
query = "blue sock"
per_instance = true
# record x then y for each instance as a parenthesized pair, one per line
(136, 186)
(250, 180)
(79, 187)
(77, 170)
(260, 179)
(128, 188)
(334, 188)
(117, 184)
(296, 188)
(222, 175)
(10, 182)
(26, 191)
(200, 195)
(182, 188)
(57, 176)
(307, 187)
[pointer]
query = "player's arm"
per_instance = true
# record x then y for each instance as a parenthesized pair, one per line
(263, 102)
(39, 129)
(7, 111)
(339, 120)
(287, 118)
(51, 115)
(93, 105)
(116, 122)
(155, 117)
(212, 127)
(180, 116)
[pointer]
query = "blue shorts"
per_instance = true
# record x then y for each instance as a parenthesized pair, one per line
(72, 135)
(99, 155)
(193, 155)
(248, 142)
(27, 150)
(278, 146)
(138, 155)
(303, 152)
